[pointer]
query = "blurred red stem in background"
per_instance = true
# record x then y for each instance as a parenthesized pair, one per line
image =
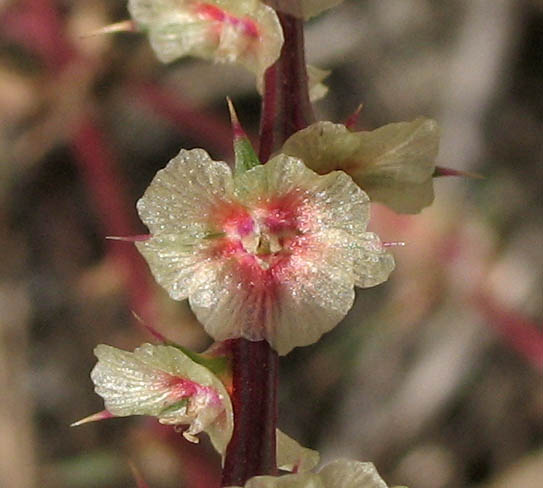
(524, 335)
(37, 26)
(138, 478)
(285, 109)
(189, 120)
(96, 162)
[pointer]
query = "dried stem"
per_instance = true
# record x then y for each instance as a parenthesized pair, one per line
(285, 109)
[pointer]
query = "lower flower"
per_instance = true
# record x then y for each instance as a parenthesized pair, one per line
(163, 382)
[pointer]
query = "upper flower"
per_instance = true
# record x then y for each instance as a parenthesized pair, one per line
(245, 31)
(393, 164)
(163, 382)
(272, 253)
(342, 473)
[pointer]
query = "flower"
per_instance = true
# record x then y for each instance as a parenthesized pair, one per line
(245, 31)
(342, 473)
(293, 457)
(163, 382)
(304, 9)
(271, 253)
(393, 164)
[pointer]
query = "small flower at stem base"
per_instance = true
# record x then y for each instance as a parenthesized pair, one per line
(163, 382)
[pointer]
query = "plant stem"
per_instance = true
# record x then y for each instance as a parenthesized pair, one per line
(254, 397)
(285, 109)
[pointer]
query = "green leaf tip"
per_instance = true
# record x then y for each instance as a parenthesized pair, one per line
(244, 152)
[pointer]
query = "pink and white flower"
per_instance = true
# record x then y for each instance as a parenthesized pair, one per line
(272, 253)
(163, 382)
(247, 32)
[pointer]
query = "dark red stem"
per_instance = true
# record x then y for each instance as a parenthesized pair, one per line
(285, 109)
(96, 161)
(285, 106)
(251, 451)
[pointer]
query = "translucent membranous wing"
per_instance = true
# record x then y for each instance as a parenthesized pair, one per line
(163, 382)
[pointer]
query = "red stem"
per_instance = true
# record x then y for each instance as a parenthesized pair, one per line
(285, 109)
(251, 451)
(97, 164)
(185, 117)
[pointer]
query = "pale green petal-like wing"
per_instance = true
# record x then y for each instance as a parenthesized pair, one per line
(128, 385)
(180, 208)
(172, 40)
(345, 473)
(270, 40)
(403, 151)
(330, 201)
(315, 78)
(140, 383)
(291, 456)
(182, 196)
(308, 297)
(225, 31)
(393, 164)
(372, 262)
(317, 292)
(324, 147)
(402, 197)
(299, 480)
(145, 12)
(174, 259)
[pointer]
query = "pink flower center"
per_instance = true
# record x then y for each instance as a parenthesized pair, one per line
(262, 236)
(181, 388)
(211, 12)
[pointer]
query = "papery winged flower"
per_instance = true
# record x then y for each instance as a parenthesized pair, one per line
(293, 457)
(163, 382)
(342, 473)
(272, 253)
(246, 31)
(393, 164)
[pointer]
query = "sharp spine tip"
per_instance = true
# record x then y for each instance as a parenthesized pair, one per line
(123, 26)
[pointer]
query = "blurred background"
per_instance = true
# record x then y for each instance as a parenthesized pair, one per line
(434, 376)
